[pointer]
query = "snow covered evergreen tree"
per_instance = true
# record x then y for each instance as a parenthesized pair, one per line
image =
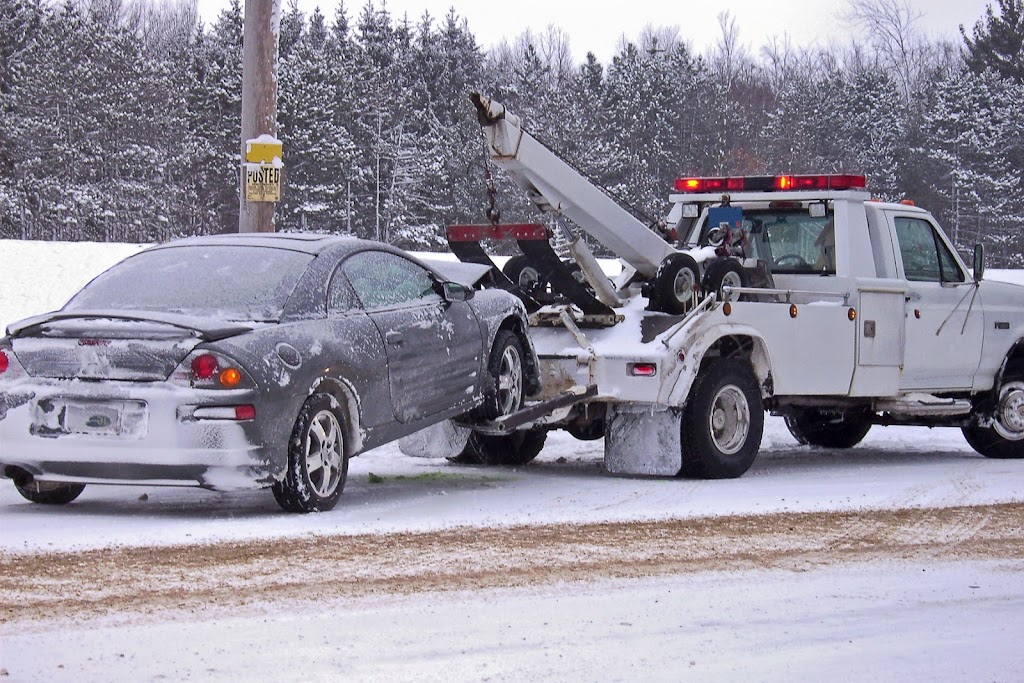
(975, 130)
(997, 41)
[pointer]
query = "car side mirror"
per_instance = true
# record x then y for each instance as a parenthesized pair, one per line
(979, 262)
(453, 292)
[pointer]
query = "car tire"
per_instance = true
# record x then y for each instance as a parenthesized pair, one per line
(317, 462)
(722, 272)
(813, 428)
(511, 450)
(1004, 438)
(507, 367)
(47, 492)
(587, 431)
(674, 286)
(723, 421)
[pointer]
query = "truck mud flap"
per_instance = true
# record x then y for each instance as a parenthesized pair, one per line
(643, 439)
(561, 278)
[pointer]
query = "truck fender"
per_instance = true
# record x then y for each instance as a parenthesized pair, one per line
(1013, 363)
(733, 340)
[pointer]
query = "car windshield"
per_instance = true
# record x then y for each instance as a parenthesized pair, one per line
(229, 282)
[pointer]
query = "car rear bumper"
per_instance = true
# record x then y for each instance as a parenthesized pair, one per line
(160, 443)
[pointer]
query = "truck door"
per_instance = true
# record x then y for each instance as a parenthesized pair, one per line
(944, 322)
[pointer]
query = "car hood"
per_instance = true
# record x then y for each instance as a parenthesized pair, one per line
(465, 274)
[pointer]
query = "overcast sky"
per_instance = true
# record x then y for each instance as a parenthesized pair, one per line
(597, 26)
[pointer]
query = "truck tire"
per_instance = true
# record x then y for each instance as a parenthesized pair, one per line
(723, 421)
(674, 286)
(524, 275)
(317, 462)
(722, 272)
(47, 492)
(512, 450)
(813, 428)
(1004, 438)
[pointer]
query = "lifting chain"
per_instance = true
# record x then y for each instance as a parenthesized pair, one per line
(493, 213)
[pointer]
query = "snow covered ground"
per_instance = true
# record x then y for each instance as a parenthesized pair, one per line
(953, 618)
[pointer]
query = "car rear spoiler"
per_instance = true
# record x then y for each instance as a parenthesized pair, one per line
(204, 328)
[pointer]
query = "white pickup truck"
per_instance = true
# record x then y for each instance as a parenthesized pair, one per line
(795, 294)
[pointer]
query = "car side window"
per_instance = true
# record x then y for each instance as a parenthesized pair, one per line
(340, 297)
(381, 279)
(926, 258)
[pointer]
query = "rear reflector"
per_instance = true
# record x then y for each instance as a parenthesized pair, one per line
(643, 369)
(245, 412)
(475, 233)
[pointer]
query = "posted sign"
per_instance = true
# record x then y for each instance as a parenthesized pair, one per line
(262, 183)
(263, 169)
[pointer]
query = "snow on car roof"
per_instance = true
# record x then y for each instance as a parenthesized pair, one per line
(309, 243)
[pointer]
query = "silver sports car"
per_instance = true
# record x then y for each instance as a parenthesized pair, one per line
(239, 361)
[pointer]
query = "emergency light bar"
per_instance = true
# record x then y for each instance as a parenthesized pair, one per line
(771, 183)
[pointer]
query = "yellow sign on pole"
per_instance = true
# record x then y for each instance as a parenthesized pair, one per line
(263, 169)
(262, 183)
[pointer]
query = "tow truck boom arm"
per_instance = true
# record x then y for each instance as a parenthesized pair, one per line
(554, 185)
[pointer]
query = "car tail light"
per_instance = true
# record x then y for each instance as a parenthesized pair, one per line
(5, 362)
(230, 377)
(207, 370)
(205, 366)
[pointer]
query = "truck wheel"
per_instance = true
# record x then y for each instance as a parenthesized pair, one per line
(508, 372)
(1004, 438)
(317, 463)
(722, 422)
(525, 276)
(47, 492)
(674, 286)
(813, 428)
(724, 272)
(512, 450)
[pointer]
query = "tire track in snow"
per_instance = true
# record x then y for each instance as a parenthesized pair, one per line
(135, 582)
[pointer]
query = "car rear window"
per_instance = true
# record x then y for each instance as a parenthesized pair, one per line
(223, 281)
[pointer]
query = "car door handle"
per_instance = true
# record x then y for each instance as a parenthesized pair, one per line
(913, 296)
(395, 338)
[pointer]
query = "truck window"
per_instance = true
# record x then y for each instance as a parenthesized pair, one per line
(792, 241)
(926, 258)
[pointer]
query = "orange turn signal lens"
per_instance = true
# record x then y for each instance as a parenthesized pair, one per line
(727, 308)
(230, 377)
(793, 312)
(852, 314)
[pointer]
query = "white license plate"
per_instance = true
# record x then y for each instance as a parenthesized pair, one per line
(94, 418)
(53, 417)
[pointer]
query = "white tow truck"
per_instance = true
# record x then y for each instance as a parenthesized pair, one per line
(799, 295)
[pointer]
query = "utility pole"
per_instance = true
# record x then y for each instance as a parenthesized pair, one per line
(259, 99)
